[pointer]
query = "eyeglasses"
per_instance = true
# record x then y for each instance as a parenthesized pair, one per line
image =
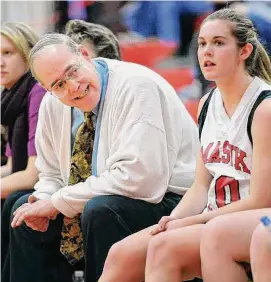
(60, 88)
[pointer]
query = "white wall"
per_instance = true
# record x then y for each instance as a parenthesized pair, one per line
(37, 14)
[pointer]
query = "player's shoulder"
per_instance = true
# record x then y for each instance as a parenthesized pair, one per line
(204, 99)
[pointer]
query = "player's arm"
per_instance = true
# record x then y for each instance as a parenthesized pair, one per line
(195, 199)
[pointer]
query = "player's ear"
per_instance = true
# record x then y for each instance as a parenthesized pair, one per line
(246, 51)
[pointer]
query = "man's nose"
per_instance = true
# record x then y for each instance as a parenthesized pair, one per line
(72, 85)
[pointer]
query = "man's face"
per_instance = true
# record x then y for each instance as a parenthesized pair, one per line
(71, 77)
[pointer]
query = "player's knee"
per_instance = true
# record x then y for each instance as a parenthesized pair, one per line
(214, 237)
(260, 239)
(119, 257)
(160, 248)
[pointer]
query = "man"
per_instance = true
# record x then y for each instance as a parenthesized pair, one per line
(143, 160)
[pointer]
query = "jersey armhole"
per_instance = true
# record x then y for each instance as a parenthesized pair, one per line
(263, 95)
(203, 112)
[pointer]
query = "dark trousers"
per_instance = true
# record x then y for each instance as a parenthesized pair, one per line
(6, 208)
(35, 256)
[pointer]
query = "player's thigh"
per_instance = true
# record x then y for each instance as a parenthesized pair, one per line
(232, 233)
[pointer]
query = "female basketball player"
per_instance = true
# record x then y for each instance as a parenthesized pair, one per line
(233, 165)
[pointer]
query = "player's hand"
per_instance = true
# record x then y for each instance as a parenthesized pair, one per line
(162, 224)
(183, 222)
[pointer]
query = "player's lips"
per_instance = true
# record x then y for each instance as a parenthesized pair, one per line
(208, 66)
(209, 63)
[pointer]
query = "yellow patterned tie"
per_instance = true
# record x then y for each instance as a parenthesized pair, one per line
(71, 245)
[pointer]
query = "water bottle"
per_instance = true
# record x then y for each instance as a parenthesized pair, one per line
(78, 276)
(266, 221)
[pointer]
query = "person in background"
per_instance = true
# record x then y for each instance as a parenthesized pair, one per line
(3, 145)
(162, 18)
(20, 102)
(98, 39)
(233, 165)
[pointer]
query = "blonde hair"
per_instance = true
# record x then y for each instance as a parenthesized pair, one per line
(258, 63)
(21, 35)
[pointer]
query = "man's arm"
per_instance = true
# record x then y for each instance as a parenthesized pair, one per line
(138, 163)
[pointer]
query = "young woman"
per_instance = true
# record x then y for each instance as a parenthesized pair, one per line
(20, 101)
(233, 165)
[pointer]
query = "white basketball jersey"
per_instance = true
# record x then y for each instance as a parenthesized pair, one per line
(226, 148)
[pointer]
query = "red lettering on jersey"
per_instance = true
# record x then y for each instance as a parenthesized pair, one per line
(206, 153)
(214, 156)
(239, 163)
(227, 147)
(225, 155)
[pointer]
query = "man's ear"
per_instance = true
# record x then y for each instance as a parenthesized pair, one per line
(84, 52)
(246, 51)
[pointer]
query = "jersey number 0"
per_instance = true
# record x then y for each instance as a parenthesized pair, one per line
(227, 190)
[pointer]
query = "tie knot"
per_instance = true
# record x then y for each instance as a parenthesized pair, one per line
(88, 119)
(88, 115)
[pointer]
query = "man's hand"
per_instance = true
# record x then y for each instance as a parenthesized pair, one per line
(35, 215)
(38, 223)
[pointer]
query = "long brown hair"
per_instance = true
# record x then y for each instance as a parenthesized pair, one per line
(258, 63)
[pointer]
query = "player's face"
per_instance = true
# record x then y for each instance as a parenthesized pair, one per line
(218, 52)
(70, 77)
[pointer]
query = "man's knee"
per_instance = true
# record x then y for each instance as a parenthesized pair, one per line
(22, 200)
(99, 210)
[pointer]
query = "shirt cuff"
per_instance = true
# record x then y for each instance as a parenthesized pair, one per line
(42, 196)
(60, 204)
